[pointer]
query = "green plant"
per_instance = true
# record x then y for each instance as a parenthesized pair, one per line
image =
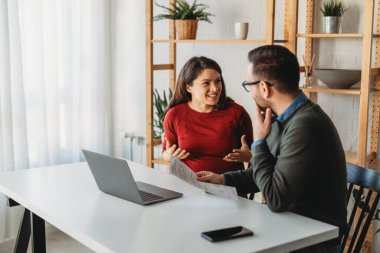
(183, 10)
(334, 8)
(160, 104)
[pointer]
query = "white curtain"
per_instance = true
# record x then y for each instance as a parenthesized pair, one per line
(55, 85)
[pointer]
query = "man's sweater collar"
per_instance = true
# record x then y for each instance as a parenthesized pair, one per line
(298, 101)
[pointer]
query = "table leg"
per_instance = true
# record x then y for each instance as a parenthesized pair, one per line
(11, 202)
(31, 224)
(23, 235)
(38, 234)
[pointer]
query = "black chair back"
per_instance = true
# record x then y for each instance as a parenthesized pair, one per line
(363, 184)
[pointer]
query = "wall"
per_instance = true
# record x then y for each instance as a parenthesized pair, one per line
(129, 61)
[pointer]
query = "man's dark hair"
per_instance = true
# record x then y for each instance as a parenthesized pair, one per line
(276, 65)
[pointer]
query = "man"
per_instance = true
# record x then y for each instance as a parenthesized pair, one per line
(298, 162)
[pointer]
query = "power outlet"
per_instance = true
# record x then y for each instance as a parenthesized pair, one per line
(140, 140)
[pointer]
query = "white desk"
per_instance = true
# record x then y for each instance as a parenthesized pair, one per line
(67, 197)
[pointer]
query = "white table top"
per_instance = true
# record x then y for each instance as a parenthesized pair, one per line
(67, 197)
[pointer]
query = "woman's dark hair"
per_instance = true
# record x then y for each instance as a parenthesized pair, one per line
(277, 65)
(188, 74)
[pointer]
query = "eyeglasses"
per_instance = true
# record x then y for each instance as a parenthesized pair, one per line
(246, 85)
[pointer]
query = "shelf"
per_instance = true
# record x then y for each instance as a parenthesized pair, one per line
(351, 157)
(160, 161)
(215, 41)
(330, 35)
(374, 71)
(325, 89)
(163, 66)
(334, 35)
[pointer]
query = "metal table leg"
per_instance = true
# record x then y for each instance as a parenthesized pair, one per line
(23, 235)
(30, 225)
(38, 234)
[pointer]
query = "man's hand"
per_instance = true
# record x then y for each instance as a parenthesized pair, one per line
(210, 177)
(240, 155)
(262, 124)
(172, 150)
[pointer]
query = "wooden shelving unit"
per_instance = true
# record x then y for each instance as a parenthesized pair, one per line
(362, 156)
(367, 72)
(290, 40)
(171, 65)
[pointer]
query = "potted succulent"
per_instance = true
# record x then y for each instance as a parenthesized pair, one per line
(160, 104)
(332, 11)
(186, 17)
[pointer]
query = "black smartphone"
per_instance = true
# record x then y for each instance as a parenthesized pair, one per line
(226, 233)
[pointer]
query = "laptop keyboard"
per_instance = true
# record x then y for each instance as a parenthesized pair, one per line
(148, 197)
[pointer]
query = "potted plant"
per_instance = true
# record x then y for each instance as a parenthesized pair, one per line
(186, 17)
(332, 11)
(160, 104)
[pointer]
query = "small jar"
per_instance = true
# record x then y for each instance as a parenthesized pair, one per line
(308, 80)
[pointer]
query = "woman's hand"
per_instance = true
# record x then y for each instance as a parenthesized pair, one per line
(210, 177)
(240, 155)
(172, 150)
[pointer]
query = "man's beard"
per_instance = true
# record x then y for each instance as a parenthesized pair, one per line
(263, 105)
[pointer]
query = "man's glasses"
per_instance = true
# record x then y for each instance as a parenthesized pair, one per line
(246, 85)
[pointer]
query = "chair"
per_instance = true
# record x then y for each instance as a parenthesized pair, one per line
(363, 183)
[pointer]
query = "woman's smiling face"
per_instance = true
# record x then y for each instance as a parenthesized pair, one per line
(205, 90)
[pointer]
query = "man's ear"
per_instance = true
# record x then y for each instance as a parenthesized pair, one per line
(266, 91)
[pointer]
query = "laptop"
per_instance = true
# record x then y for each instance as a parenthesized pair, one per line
(113, 176)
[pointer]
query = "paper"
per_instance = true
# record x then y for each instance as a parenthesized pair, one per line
(220, 190)
(180, 170)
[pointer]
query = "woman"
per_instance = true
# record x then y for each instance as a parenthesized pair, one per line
(202, 126)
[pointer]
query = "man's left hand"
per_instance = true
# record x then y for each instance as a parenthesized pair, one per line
(262, 124)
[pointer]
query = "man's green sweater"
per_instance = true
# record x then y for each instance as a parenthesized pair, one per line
(301, 168)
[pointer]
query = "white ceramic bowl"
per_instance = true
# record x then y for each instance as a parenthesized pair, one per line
(338, 78)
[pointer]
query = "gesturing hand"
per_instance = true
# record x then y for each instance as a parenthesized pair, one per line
(173, 151)
(240, 155)
(210, 177)
(262, 124)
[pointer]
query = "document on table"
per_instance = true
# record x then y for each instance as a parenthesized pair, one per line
(181, 170)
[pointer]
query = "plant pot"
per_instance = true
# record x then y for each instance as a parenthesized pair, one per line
(186, 29)
(330, 24)
(157, 141)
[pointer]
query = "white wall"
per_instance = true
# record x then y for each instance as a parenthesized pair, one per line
(129, 60)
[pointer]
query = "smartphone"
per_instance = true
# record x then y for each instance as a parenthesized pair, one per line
(226, 234)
